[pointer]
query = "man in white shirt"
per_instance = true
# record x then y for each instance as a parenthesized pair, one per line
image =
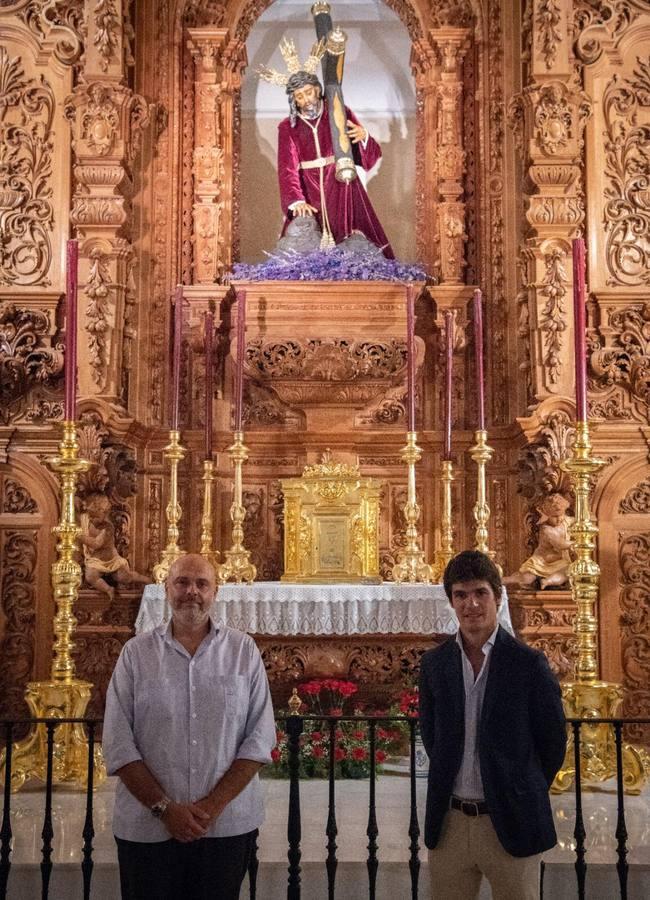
(188, 724)
(493, 726)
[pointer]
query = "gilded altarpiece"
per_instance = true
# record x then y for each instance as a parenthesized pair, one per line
(121, 125)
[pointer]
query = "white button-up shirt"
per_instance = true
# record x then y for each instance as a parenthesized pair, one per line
(188, 718)
(469, 784)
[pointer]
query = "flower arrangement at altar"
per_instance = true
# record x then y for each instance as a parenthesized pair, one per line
(329, 697)
(336, 264)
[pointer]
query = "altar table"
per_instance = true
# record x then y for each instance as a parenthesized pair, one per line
(279, 608)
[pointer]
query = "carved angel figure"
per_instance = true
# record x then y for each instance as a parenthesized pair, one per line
(551, 558)
(100, 553)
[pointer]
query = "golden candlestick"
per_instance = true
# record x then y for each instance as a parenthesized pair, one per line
(237, 566)
(481, 453)
(587, 696)
(446, 550)
(412, 566)
(207, 551)
(175, 454)
(64, 696)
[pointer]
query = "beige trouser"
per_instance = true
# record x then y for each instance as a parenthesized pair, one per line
(468, 848)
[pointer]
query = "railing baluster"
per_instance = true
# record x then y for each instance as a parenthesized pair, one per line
(253, 866)
(89, 831)
(372, 831)
(414, 827)
(5, 830)
(579, 830)
(331, 830)
(294, 730)
(48, 832)
(621, 830)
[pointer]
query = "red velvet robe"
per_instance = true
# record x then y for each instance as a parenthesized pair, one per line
(348, 205)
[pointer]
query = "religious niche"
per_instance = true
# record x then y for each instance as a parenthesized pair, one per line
(31, 363)
(26, 149)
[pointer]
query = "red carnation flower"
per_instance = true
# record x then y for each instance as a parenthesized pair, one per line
(275, 755)
(359, 754)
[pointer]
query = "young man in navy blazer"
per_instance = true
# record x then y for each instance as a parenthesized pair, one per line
(493, 726)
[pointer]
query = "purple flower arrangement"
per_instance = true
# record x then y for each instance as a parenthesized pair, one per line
(328, 265)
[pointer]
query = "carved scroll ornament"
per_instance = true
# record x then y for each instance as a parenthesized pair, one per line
(26, 146)
(61, 18)
(26, 355)
(625, 358)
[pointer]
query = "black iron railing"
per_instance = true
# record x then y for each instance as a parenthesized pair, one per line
(294, 727)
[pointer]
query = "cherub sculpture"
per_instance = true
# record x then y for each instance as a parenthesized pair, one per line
(551, 558)
(99, 550)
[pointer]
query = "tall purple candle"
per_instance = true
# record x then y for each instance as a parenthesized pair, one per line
(580, 328)
(410, 358)
(70, 357)
(478, 350)
(176, 356)
(209, 331)
(449, 362)
(239, 363)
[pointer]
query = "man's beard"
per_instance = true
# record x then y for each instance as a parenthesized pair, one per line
(191, 614)
(312, 111)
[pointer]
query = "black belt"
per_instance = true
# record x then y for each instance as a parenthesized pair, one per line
(469, 807)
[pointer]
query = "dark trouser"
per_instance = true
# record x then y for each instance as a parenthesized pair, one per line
(207, 869)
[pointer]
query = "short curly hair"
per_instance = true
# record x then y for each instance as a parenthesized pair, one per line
(471, 565)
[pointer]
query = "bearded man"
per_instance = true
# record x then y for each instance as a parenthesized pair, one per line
(188, 724)
(307, 170)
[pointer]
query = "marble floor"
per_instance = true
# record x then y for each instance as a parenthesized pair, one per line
(393, 883)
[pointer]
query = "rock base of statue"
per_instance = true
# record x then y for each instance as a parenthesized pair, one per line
(303, 236)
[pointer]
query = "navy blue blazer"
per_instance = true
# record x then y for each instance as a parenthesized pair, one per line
(522, 740)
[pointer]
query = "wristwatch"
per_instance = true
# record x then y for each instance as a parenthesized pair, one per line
(158, 809)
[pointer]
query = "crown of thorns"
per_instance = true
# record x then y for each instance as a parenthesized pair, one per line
(290, 56)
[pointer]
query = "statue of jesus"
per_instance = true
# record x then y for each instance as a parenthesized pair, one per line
(306, 163)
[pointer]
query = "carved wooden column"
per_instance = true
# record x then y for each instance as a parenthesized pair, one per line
(106, 119)
(424, 71)
(451, 45)
(216, 86)
(548, 118)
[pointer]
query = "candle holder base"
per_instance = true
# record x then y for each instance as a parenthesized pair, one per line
(599, 699)
(60, 700)
(237, 568)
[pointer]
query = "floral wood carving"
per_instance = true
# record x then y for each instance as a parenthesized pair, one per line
(16, 499)
(98, 286)
(637, 499)
(26, 356)
(625, 359)
(634, 562)
(561, 651)
(547, 23)
(64, 18)
(553, 321)
(626, 107)
(457, 13)
(326, 360)
(26, 147)
(18, 609)
(106, 34)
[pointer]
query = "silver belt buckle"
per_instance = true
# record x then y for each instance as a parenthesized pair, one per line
(472, 807)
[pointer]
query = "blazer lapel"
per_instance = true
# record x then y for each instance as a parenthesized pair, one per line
(455, 685)
(495, 673)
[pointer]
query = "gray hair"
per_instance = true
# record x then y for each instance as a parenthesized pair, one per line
(295, 82)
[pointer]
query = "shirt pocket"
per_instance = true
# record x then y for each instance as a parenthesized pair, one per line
(231, 690)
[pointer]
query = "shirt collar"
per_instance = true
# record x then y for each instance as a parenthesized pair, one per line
(489, 644)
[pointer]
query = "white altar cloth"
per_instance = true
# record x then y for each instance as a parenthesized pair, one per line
(274, 607)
